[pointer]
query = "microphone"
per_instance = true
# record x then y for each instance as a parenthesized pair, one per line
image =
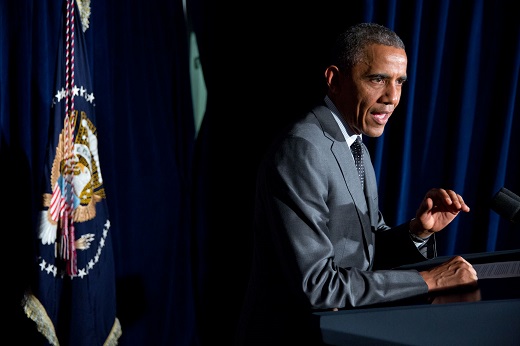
(507, 204)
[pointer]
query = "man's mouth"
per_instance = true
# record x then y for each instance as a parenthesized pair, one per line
(381, 118)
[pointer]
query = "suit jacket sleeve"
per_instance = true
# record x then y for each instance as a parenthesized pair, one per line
(394, 247)
(307, 220)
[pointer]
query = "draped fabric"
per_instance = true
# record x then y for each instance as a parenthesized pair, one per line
(72, 299)
(180, 198)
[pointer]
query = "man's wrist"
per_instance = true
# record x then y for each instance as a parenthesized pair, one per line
(420, 243)
(417, 232)
(418, 239)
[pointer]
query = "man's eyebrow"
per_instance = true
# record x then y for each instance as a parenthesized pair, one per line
(379, 75)
(386, 76)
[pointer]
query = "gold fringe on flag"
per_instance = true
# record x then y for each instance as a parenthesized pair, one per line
(84, 13)
(36, 312)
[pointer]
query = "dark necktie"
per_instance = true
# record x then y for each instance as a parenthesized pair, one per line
(357, 151)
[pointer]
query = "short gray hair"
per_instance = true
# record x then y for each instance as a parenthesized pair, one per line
(350, 44)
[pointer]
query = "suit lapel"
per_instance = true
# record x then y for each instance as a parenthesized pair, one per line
(345, 160)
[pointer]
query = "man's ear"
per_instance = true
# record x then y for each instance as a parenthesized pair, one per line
(332, 76)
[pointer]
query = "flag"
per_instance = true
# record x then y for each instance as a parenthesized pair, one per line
(72, 299)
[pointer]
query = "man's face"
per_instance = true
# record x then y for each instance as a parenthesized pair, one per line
(368, 96)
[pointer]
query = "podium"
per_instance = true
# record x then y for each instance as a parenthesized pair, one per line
(486, 315)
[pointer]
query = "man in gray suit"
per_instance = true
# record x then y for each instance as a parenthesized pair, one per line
(320, 241)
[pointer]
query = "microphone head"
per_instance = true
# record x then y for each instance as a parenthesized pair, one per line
(506, 204)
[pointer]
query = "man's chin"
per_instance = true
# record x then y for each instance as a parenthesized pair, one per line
(375, 132)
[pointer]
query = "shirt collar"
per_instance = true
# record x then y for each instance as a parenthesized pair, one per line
(348, 133)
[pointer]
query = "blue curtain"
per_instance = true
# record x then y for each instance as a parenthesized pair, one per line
(181, 201)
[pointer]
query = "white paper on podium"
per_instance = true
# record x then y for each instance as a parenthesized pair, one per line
(497, 270)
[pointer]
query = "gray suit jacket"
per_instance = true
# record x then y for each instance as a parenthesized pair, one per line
(319, 238)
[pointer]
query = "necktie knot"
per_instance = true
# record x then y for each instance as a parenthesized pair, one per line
(357, 152)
